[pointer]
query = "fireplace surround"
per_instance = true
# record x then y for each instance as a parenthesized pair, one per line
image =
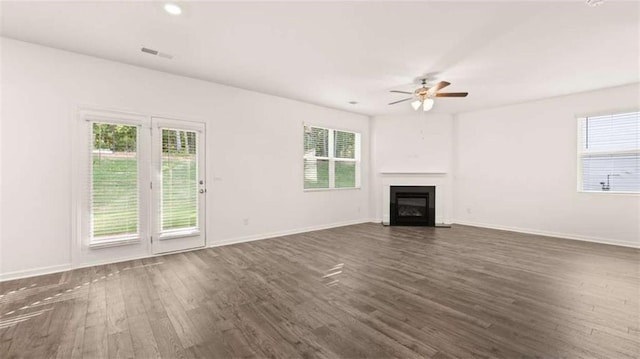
(412, 205)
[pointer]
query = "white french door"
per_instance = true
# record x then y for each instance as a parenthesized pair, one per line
(178, 185)
(140, 186)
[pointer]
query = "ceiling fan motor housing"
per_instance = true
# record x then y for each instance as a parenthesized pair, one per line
(423, 93)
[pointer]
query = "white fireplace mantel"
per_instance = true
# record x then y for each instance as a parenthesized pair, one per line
(412, 172)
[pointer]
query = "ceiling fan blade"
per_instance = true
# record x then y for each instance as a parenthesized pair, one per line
(452, 94)
(439, 86)
(406, 99)
(404, 92)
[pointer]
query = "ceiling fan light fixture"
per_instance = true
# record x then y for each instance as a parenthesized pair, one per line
(424, 96)
(427, 105)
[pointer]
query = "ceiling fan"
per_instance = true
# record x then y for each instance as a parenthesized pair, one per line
(424, 95)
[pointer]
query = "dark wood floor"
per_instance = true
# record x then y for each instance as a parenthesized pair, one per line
(350, 292)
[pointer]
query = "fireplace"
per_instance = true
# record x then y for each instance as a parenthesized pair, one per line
(413, 206)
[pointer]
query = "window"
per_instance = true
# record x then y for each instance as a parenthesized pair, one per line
(179, 181)
(609, 155)
(331, 158)
(113, 178)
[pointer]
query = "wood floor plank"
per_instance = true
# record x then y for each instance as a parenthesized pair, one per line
(73, 332)
(169, 344)
(359, 291)
(95, 344)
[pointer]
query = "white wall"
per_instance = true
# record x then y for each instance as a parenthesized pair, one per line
(254, 152)
(421, 142)
(515, 166)
(516, 169)
(1, 136)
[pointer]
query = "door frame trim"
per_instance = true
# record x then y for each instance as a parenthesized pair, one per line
(75, 112)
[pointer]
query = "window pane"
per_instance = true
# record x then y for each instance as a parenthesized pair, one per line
(612, 132)
(345, 174)
(114, 181)
(316, 173)
(611, 173)
(316, 142)
(345, 144)
(179, 187)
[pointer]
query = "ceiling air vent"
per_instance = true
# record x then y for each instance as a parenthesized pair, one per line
(149, 51)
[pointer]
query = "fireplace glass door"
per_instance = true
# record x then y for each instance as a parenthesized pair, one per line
(412, 208)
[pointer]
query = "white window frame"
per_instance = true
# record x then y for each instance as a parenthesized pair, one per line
(88, 117)
(332, 159)
(580, 152)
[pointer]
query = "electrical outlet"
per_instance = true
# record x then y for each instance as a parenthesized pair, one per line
(246, 221)
(468, 210)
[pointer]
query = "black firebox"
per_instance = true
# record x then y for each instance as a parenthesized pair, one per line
(413, 206)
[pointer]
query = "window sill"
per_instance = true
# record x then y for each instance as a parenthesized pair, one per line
(617, 193)
(330, 189)
(115, 242)
(180, 234)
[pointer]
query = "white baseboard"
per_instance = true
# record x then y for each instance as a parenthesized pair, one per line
(26, 273)
(258, 237)
(68, 266)
(551, 234)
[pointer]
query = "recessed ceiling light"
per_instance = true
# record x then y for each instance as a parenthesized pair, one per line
(594, 3)
(172, 9)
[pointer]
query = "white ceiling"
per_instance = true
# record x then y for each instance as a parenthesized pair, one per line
(330, 53)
